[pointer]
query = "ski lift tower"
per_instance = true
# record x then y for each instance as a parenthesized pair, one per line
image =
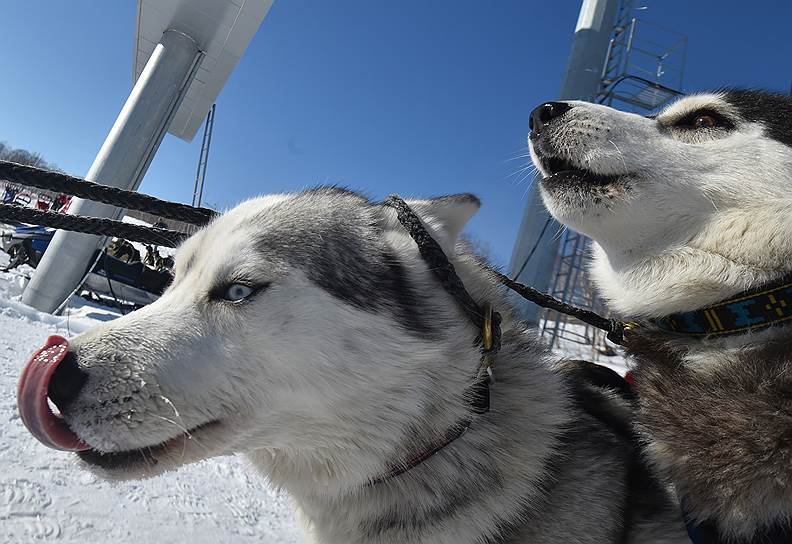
(643, 71)
(536, 248)
(185, 50)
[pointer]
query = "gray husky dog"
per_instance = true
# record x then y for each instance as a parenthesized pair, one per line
(690, 214)
(306, 332)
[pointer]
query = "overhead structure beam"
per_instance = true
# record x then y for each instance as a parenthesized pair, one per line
(223, 30)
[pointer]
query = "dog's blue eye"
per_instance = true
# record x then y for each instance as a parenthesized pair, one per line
(237, 292)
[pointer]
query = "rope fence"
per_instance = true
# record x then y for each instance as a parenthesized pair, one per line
(93, 225)
(62, 183)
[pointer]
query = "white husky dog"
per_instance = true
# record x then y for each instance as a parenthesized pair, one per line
(690, 213)
(307, 332)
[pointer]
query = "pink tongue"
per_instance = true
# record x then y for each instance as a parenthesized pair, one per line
(48, 428)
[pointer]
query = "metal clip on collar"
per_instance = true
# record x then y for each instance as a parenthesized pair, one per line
(487, 343)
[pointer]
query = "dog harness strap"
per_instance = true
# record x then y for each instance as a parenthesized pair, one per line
(751, 310)
(706, 532)
(398, 469)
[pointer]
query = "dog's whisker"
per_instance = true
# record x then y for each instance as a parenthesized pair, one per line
(715, 207)
(147, 458)
(521, 170)
(182, 428)
(518, 157)
(169, 402)
(529, 174)
(529, 186)
(621, 155)
(186, 434)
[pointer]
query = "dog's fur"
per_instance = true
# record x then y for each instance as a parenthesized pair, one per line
(348, 357)
(683, 215)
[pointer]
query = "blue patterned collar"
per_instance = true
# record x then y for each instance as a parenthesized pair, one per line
(751, 310)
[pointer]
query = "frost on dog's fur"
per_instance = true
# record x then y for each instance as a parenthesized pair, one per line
(692, 214)
(347, 357)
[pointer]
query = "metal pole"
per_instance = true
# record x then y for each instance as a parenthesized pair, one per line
(205, 152)
(122, 162)
(200, 158)
(581, 82)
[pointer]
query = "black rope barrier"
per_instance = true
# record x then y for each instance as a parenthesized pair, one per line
(63, 183)
(93, 225)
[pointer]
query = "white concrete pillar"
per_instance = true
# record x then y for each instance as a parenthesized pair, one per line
(121, 162)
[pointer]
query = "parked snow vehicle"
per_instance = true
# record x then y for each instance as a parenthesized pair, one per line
(127, 280)
(25, 244)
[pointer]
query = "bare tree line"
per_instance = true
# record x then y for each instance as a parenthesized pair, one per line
(29, 158)
(23, 156)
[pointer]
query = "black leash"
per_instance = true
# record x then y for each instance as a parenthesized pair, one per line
(439, 264)
(484, 318)
(444, 270)
(614, 327)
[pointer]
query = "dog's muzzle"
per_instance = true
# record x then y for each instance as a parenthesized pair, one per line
(51, 374)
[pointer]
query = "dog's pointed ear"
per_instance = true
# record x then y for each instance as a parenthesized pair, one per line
(446, 216)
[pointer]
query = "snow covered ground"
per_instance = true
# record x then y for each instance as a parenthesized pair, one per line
(45, 497)
(575, 350)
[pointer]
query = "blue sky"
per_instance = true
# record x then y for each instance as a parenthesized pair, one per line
(413, 97)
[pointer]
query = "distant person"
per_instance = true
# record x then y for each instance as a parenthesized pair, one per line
(61, 203)
(123, 251)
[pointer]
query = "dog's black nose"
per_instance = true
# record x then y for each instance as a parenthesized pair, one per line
(541, 116)
(66, 382)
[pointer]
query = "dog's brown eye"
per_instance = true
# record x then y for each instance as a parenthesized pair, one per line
(705, 121)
